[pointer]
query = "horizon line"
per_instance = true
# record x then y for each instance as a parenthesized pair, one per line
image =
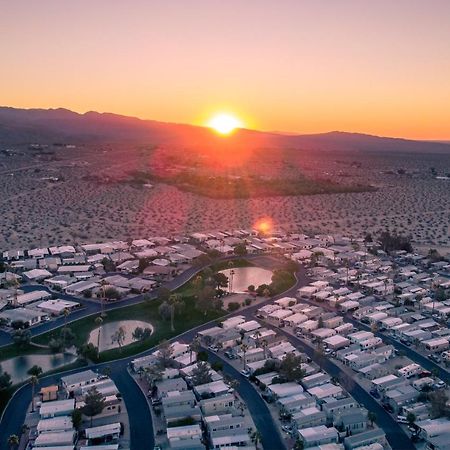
(277, 132)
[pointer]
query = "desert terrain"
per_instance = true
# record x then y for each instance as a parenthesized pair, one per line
(60, 194)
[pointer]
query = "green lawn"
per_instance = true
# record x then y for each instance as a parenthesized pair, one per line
(146, 311)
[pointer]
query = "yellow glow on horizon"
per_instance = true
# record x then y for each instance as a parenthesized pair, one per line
(224, 123)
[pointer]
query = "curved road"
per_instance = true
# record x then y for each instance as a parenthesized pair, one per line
(270, 435)
(397, 438)
(138, 411)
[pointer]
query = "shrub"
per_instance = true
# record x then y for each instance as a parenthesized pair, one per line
(233, 306)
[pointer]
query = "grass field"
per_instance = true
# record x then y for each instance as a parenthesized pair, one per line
(146, 311)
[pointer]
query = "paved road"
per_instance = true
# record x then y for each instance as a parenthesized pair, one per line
(141, 431)
(91, 307)
(396, 436)
(270, 435)
(139, 413)
(409, 352)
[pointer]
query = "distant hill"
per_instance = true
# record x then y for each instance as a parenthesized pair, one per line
(24, 126)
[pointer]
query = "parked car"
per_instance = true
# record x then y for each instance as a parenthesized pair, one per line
(374, 393)
(246, 373)
(402, 419)
(214, 348)
(436, 359)
(388, 407)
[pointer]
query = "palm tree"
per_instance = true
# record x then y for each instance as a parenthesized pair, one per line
(197, 282)
(194, 347)
(372, 417)
(98, 322)
(257, 337)
(103, 284)
(244, 348)
(175, 301)
(33, 381)
(255, 437)
(13, 441)
(66, 312)
(265, 344)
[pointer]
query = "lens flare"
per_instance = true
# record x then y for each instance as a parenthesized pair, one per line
(264, 225)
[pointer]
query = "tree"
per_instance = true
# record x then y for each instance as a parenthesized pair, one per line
(88, 352)
(411, 418)
(244, 348)
(165, 354)
(108, 265)
(221, 280)
(66, 312)
(320, 322)
(77, 418)
(33, 381)
(205, 299)
(290, 367)
(112, 293)
(176, 304)
(94, 402)
(119, 337)
(99, 322)
(251, 288)
(5, 380)
(164, 293)
(35, 370)
(21, 338)
(67, 338)
(164, 310)
(140, 334)
(438, 400)
(13, 441)
(153, 374)
(143, 264)
(255, 437)
(371, 417)
(240, 249)
(201, 374)
(194, 347)
(265, 344)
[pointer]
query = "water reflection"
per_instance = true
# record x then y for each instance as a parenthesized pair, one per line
(18, 367)
(243, 277)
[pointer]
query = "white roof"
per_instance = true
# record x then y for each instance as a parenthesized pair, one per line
(37, 273)
(32, 296)
(57, 406)
(103, 430)
(57, 305)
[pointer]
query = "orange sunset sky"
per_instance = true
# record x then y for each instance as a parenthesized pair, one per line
(380, 67)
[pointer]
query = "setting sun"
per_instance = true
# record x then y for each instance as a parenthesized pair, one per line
(224, 123)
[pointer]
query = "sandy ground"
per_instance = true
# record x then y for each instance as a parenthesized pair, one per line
(78, 208)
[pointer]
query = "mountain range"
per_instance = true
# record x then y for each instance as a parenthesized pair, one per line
(25, 126)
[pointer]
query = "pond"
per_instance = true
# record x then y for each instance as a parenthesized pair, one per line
(243, 277)
(101, 337)
(18, 367)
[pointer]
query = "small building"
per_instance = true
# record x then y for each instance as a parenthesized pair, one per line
(57, 307)
(78, 380)
(57, 408)
(366, 438)
(49, 393)
(32, 296)
(336, 342)
(109, 432)
(320, 435)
